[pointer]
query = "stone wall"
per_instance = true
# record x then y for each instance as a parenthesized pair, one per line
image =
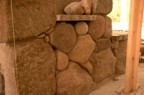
(45, 57)
(119, 47)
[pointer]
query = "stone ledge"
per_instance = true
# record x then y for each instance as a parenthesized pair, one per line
(119, 36)
(76, 17)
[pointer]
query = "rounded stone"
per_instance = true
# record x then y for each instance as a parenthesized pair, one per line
(62, 60)
(63, 37)
(46, 38)
(81, 28)
(97, 27)
(74, 8)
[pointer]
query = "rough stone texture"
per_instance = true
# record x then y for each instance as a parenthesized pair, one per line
(88, 66)
(30, 18)
(2, 84)
(81, 28)
(120, 53)
(63, 37)
(36, 63)
(103, 65)
(115, 44)
(86, 4)
(102, 44)
(104, 7)
(142, 50)
(7, 62)
(74, 81)
(94, 6)
(74, 8)
(83, 49)
(46, 38)
(62, 60)
(97, 27)
(76, 17)
(108, 29)
(60, 6)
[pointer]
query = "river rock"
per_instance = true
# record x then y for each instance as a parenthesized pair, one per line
(62, 60)
(97, 27)
(81, 28)
(63, 37)
(103, 65)
(83, 49)
(108, 28)
(74, 81)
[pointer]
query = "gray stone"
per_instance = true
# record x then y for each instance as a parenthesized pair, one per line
(108, 30)
(103, 65)
(121, 57)
(63, 37)
(81, 28)
(97, 27)
(102, 44)
(74, 81)
(104, 7)
(83, 49)
(62, 60)
(74, 8)
(30, 18)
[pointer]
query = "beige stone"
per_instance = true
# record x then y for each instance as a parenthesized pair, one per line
(63, 37)
(86, 4)
(103, 65)
(104, 7)
(108, 28)
(94, 5)
(88, 66)
(62, 60)
(74, 81)
(41, 36)
(102, 44)
(2, 84)
(74, 8)
(33, 69)
(46, 38)
(97, 27)
(83, 49)
(81, 28)
(30, 18)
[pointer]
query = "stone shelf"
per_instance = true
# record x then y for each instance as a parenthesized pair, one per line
(118, 35)
(76, 17)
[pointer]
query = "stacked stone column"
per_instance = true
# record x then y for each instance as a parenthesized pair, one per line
(54, 58)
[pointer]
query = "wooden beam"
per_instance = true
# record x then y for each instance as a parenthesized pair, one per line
(133, 47)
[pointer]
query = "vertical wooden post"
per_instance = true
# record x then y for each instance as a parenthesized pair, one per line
(133, 47)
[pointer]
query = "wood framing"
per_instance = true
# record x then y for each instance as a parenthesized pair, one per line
(134, 38)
